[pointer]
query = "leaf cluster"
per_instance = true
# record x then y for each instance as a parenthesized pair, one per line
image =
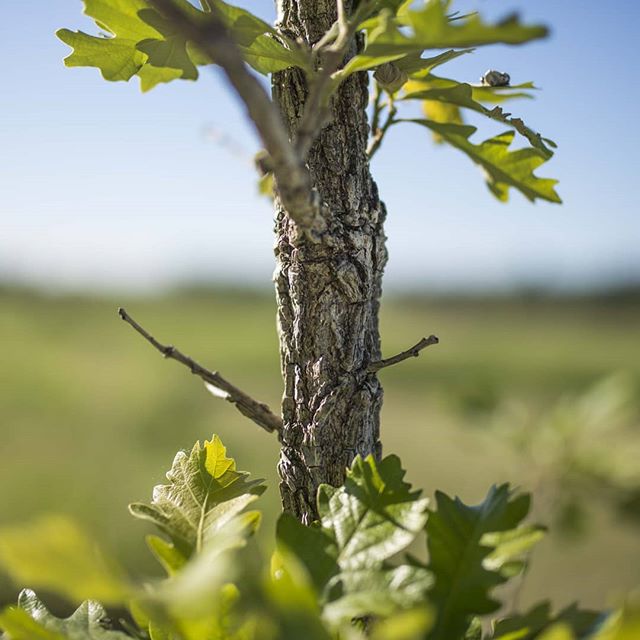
(345, 576)
(135, 40)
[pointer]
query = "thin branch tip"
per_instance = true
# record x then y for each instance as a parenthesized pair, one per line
(256, 411)
(412, 352)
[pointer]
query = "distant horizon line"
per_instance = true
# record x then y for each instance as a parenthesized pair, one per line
(615, 288)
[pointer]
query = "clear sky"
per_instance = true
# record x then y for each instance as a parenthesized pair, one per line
(104, 186)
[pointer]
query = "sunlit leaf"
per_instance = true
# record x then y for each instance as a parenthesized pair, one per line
(374, 515)
(205, 492)
(167, 554)
(31, 620)
(409, 64)
(503, 168)
(405, 625)
(138, 40)
(290, 602)
(461, 95)
(116, 58)
(377, 591)
(362, 524)
(267, 55)
(510, 548)
(429, 27)
(245, 26)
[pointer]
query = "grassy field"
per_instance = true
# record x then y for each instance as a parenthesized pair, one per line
(91, 416)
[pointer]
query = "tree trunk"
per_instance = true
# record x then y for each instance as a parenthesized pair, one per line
(328, 290)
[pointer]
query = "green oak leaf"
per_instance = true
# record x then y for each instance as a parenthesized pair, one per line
(166, 554)
(53, 553)
(503, 168)
(151, 76)
(140, 41)
(377, 591)
(170, 53)
(430, 27)
(404, 625)
(418, 67)
(374, 515)
(205, 493)
(290, 598)
(497, 95)
(266, 50)
(117, 58)
(410, 64)
(312, 547)
(242, 23)
(31, 620)
(540, 618)
(196, 599)
(461, 95)
(121, 18)
(362, 524)
(267, 55)
(459, 557)
(480, 93)
(511, 548)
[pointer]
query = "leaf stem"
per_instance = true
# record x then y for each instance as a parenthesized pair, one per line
(379, 132)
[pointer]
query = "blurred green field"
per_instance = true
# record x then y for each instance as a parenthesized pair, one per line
(91, 416)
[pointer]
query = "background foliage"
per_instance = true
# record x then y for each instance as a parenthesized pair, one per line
(86, 403)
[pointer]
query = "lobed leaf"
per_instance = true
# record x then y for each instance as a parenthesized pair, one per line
(377, 591)
(205, 493)
(362, 524)
(117, 58)
(457, 94)
(31, 620)
(140, 41)
(267, 55)
(312, 547)
(503, 168)
(374, 515)
(459, 556)
(430, 27)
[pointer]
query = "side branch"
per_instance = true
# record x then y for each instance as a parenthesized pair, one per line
(246, 405)
(214, 40)
(413, 352)
(379, 132)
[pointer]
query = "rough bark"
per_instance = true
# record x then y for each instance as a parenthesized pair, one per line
(328, 288)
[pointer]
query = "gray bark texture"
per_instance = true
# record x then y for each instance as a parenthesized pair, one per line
(328, 288)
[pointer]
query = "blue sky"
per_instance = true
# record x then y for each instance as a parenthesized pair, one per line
(103, 186)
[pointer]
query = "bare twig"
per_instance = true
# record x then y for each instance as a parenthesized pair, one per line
(413, 352)
(380, 132)
(213, 39)
(246, 405)
(377, 109)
